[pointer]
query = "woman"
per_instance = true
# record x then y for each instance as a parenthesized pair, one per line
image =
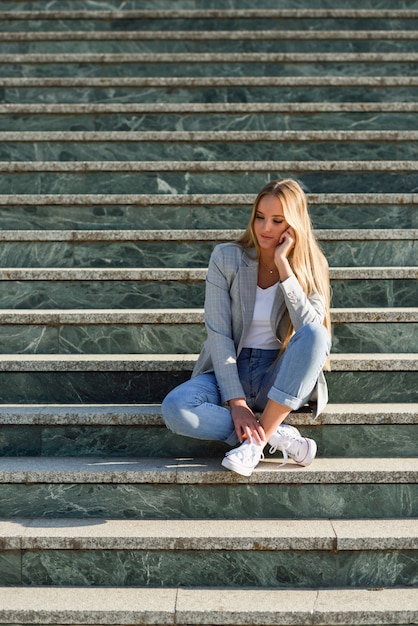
(268, 326)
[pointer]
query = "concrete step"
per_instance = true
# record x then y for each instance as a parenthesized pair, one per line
(206, 535)
(172, 553)
(184, 316)
(159, 331)
(150, 415)
(209, 176)
(217, 89)
(143, 378)
(200, 41)
(182, 274)
(91, 288)
(199, 488)
(379, 16)
(167, 211)
(350, 430)
(136, 248)
(139, 470)
(195, 606)
(243, 116)
(207, 64)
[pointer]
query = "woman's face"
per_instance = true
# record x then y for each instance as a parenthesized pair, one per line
(269, 222)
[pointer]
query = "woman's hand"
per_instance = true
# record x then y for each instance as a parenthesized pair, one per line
(245, 422)
(286, 244)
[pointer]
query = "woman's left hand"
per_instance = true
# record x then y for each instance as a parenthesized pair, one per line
(286, 244)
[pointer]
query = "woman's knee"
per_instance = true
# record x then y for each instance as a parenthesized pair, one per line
(315, 335)
(171, 409)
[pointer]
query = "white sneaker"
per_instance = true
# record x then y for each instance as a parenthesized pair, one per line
(289, 441)
(244, 459)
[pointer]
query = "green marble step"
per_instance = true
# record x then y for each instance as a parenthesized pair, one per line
(166, 211)
(149, 415)
(185, 248)
(86, 5)
(359, 430)
(128, 151)
(181, 331)
(198, 488)
(208, 64)
(94, 288)
(244, 116)
(263, 553)
(209, 89)
(261, 18)
(170, 606)
(274, 154)
(201, 41)
(141, 378)
(209, 176)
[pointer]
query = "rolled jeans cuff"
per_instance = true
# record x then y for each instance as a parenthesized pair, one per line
(284, 398)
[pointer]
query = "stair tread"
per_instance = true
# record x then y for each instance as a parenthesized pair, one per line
(261, 534)
(392, 34)
(209, 57)
(206, 107)
(199, 199)
(150, 414)
(184, 316)
(206, 166)
(184, 273)
(194, 235)
(167, 362)
(211, 14)
(203, 471)
(212, 81)
(207, 606)
(202, 135)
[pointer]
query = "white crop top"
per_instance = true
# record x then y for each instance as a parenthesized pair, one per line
(260, 334)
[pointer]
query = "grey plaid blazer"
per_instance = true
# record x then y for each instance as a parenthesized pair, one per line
(231, 283)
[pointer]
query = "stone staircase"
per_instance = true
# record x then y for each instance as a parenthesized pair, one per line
(134, 137)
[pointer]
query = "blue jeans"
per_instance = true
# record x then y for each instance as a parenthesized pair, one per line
(194, 409)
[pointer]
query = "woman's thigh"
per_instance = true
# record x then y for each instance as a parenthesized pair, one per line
(194, 409)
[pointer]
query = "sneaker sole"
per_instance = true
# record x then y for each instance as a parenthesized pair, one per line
(243, 471)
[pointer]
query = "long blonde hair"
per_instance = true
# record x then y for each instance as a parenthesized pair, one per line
(306, 259)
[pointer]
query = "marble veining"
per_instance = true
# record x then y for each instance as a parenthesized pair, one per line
(268, 23)
(234, 150)
(167, 121)
(182, 339)
(369, 338)
(359, 440)
(141, 501)
(206, 182)
(154, 5)
(174, 44)
(277, 569)
(161, 217)
(198, 68)
(74, 94)
(134, 294)
(352, 253)
(136, 387)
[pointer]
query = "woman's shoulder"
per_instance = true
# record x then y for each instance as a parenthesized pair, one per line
(232, 252)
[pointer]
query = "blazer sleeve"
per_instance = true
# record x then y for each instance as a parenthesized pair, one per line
(219, 327)
(302, 310)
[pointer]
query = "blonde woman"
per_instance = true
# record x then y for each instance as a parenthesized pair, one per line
(268, 337)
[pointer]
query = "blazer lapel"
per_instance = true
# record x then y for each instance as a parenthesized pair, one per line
(248, 286)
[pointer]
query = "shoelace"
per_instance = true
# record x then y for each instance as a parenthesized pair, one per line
(248, 451)
(283, 446)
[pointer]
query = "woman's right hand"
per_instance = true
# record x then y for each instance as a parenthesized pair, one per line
(246, 424)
